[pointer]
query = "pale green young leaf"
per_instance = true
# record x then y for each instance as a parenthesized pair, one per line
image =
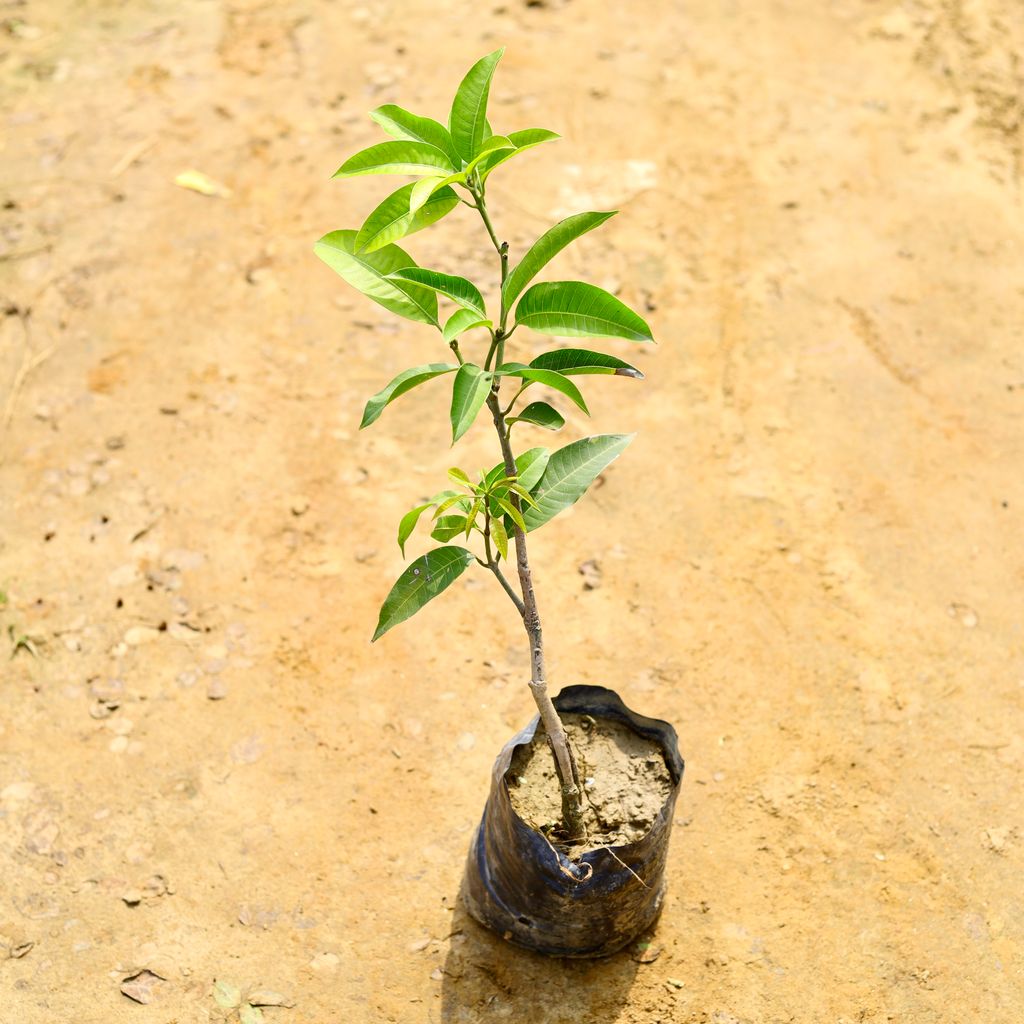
(394, 218)
(525, 497)
(448, 527)
(540, 414)
(572, 361)
(510, 510)
(408, 523)
(522, 140)
(452, 501)
(578, 310)
(401, 124)
(463, 320)
(397, 158)
(468, 119)
(550, 378)
(552, 242)
(429, 575)
(474, 511)
(369, 273)
(492, 145)
(405, 381)
(458, 289)
(569, 472)
(469, 393)
(500, 537)
(423, 189)
(529, 468)
(459, 476)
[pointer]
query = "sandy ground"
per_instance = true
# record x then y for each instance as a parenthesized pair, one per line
(811, 556)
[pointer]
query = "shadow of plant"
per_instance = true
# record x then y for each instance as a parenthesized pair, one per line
(486, 978)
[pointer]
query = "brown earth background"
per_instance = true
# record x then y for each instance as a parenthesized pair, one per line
(810, 558)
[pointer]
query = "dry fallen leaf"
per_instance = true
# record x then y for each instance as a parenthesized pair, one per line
(196, 181)
(141, 986)
(267, 997)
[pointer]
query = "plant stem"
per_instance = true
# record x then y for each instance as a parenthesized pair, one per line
(565, 762)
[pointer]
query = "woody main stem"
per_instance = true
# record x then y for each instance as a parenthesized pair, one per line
(565, 762)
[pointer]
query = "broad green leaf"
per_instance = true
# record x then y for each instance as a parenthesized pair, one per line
(571, 361)
(397, 158)
(394, 218)
(530, 466)
(463, 320)
(423, 189)
(468, 119)
(428, 576)
(578, 310)
(491, 145)
(552, 378)
(472, 385)
(523, 140)
(405, 381)
(401, 124)
(569, 472)
(408, 524)
(546, 248)
(540, 414)
(458, 289)
(369, 272)
(448, 527)
(500, 537)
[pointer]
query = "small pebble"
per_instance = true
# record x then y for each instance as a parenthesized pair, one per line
(216, 689)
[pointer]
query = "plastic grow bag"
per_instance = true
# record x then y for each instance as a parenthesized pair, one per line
(517, 884)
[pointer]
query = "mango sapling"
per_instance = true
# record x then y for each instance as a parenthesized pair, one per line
(451, 166)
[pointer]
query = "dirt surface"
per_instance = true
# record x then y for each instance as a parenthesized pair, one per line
(624, 775)
(809, 560)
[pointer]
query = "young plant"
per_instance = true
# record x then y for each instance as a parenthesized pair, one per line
(451, 166)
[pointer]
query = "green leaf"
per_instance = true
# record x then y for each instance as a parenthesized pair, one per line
(394, 218)
(469, 393)
(408, 524)
(423, 189)
(468, 119)
(446, 528)
(523, 140)
(494, 144)
(540, 414)
(572, 361)
(458, 289)
(529, 468)
(428, 576)
(368, 272)
(569, 472)
(459, 476)
(551, 378)
(546, 248)
(403, 125)
(397, 158)
(500, 537)
(405, 381)
(463, 320)
(578, 310)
